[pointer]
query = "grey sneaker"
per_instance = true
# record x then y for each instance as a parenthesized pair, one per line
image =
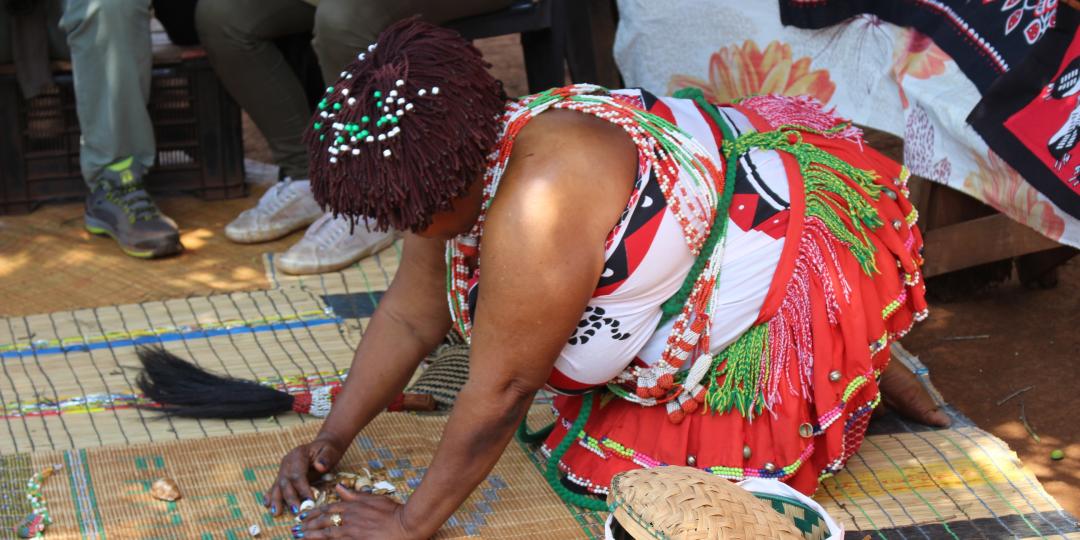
(119, 207)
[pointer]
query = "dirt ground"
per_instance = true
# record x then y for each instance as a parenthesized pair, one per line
(979, 349)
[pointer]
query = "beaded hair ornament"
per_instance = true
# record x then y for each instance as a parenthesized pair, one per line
(405, 129)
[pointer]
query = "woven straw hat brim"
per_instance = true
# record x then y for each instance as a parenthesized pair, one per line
(683, 503)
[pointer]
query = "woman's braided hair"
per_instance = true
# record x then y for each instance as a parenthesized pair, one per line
(406, 129)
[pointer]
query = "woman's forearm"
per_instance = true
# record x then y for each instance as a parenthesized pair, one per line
(411, 319)
(381, 367)
(482, 424)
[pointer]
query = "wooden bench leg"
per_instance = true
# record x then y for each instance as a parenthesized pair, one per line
(545, 51)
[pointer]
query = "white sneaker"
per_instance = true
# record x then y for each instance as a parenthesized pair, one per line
(284, 208)
(327, 246)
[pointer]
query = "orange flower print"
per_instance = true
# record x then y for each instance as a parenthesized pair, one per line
(916, 56)
(743, 71)
(998, 185)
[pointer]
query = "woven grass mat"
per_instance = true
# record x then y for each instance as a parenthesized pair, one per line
(66, 378)
(957, 483)
(104, 492)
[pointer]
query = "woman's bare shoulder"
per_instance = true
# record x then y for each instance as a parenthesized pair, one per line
(571, 164)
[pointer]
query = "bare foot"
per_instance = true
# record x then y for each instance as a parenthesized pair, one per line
(902, 392)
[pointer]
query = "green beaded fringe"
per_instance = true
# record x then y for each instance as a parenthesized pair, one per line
(828, 197)
(740, 367)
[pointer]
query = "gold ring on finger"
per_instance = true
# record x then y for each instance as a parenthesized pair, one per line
(335, 519)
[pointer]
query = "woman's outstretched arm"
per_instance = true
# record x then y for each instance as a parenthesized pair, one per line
(542, 256)
(409, 322)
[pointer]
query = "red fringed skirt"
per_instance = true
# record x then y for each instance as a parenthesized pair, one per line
(823, 310)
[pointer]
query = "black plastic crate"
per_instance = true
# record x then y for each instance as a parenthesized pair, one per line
(196, 124)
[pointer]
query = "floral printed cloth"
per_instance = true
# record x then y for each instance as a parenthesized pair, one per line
(878, 74)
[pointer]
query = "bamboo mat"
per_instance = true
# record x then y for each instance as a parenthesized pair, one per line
(66, 378)
(956, 483)
(104, 492)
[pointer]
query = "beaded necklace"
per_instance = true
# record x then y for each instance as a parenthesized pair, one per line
(33, 526)
(691, 182)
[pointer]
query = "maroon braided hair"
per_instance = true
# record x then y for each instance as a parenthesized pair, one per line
(406, 129)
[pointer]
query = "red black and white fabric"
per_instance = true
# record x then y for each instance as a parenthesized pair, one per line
(801, 437)
(1031, 115)
(647, 259)
(986, 38)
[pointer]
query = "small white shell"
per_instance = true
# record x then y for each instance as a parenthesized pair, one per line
(384, 486)
(386, 153)
(254, 530)
(308, 504)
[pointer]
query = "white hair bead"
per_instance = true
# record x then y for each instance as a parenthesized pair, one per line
(386, 153)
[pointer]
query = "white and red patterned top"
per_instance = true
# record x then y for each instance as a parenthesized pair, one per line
(647, 258)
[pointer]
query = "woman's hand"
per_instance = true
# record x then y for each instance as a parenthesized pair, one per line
(292, 485)
(358, 516)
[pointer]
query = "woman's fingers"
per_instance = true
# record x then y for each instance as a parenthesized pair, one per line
(325, 458)
(273, 499)
(347, 494)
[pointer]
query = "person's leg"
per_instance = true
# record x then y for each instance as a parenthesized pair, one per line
(111, 59)
(344, 27)
(237, 35)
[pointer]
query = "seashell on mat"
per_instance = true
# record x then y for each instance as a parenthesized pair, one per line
(165, 489)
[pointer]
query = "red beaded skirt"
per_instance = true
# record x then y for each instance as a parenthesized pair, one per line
(830, 322)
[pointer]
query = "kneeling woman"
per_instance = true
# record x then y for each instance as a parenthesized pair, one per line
(704, 284)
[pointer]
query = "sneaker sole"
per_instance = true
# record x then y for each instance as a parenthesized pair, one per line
(305, 270)
(268, 236)
(95, 227)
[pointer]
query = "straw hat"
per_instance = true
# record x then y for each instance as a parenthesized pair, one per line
(683, 503)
